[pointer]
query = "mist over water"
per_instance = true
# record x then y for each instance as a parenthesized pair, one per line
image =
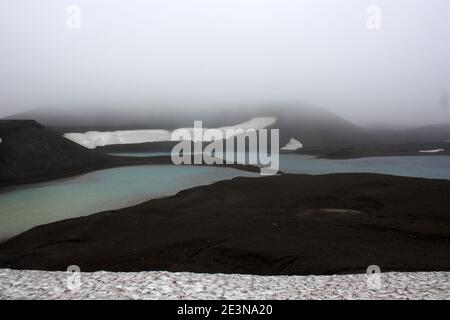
(371, 67)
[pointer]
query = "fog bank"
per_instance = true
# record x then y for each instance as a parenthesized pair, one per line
(388, 66)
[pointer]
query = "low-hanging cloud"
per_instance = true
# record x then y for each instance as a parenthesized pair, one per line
(368, 61)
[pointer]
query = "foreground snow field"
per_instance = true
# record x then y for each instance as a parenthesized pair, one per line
(165, 285)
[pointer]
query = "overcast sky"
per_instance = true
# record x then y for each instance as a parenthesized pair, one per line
(132, 53)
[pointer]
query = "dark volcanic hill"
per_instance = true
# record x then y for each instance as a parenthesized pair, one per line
(311, 125)
(321, 132)
(30, 152)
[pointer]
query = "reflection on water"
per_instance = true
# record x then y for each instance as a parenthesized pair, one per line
(26, 207)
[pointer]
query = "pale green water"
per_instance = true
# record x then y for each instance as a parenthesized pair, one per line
(432, 167)
(27, 207)
(24, 208)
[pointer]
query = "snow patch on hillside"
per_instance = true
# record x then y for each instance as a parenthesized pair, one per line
(292, 145)
(432, 151)
(93, 139)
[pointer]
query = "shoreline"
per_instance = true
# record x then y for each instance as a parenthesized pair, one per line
(166, 160)
(130, 161)
(287, 224)
(374, 151)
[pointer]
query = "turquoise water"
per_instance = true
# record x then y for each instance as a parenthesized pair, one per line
(432, 167)
(27, 207)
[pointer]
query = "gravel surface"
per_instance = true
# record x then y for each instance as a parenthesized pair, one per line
(165, 285)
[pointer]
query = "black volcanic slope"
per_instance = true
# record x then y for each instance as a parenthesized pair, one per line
(30, 152)
(288, 224)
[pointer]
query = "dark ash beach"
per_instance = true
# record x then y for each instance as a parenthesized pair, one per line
(281, 225)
